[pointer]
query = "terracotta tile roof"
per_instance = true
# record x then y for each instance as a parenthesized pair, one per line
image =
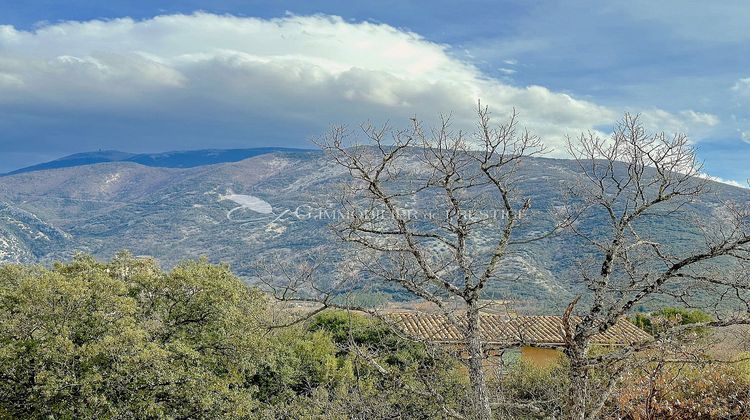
(503, 329)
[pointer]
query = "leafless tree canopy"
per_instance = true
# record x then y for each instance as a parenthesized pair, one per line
(639, 181)
(436, 212)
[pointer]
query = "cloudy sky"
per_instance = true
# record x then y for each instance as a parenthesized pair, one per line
(147, 76)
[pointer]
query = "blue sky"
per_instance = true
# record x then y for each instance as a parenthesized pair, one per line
(188, 74)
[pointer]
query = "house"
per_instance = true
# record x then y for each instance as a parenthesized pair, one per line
(536, 339)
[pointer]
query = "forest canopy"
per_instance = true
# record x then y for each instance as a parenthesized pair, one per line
(90, 339)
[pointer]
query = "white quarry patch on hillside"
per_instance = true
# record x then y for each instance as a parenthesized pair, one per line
(113, 178)
(247, 202)
(41, 235)
(275, 228)
(34, 234)
(20, 225)
(29, 229)
(10, 249)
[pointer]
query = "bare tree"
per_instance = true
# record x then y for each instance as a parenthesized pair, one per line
(639, 184)
(436, 212)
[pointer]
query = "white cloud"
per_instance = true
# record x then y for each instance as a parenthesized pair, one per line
(700, 118)
(745, 136)
(10, 80)
(742, 86)
(310, 71)
(725, 181)
(696, 124)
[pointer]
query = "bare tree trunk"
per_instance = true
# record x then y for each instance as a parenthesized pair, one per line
(632, 176)
(578, 391)
(481, 398)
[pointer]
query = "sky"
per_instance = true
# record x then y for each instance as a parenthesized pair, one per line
(151, 76)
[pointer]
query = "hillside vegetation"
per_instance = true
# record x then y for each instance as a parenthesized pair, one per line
(177, 213)
(125, 339)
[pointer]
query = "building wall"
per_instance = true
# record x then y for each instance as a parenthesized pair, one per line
(540, 357)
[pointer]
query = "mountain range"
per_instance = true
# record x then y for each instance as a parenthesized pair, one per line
(237, 206)
(177, 159)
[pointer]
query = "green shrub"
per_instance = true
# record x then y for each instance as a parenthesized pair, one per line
(123, 338)
(657, 321)
(394, 377)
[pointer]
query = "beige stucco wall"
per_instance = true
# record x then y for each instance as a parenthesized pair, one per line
(540, 357)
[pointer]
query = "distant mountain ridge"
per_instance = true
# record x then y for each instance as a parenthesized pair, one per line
(212, 209)
(174, 159)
